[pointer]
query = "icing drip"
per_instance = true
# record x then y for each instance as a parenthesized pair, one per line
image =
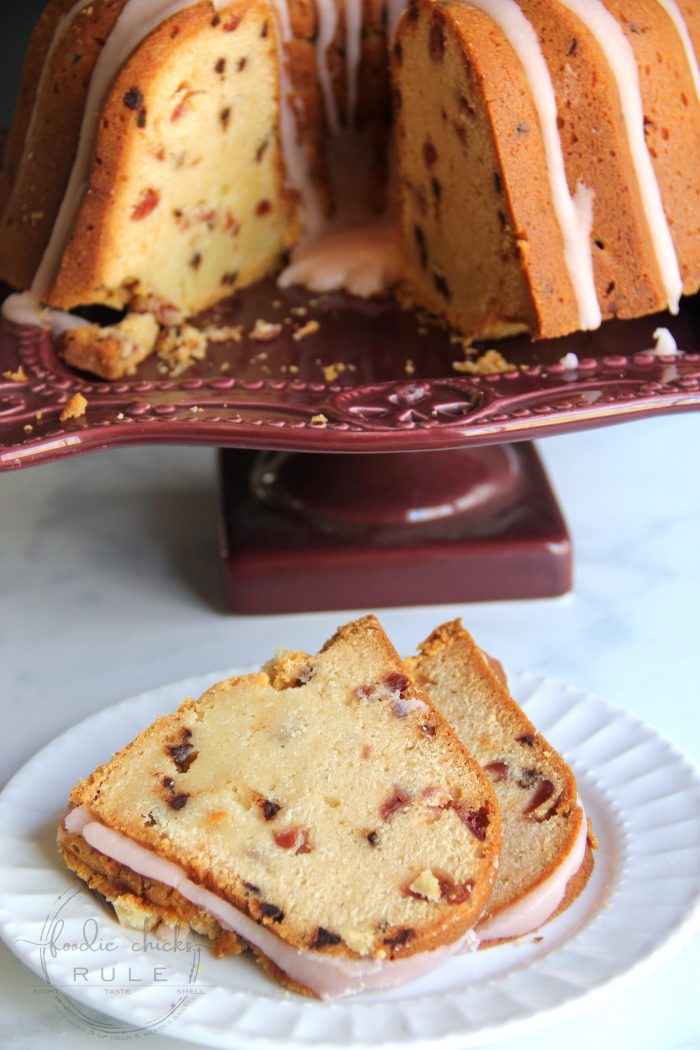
(328, 24)
(536, 907)
(353, 49)
(394, 10)
(574, 214)
(296, 167)
(364, 260)
(327, 975)
(673, 11)
(666, 345)
(620, 58)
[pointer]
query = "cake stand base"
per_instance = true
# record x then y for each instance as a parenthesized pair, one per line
(304, 532)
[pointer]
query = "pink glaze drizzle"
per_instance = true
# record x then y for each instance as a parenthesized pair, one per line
(328, 976)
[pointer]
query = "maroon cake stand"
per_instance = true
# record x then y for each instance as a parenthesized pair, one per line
(308, 520)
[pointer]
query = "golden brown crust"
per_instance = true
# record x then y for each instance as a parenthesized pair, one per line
(43, 139)
(671, 122)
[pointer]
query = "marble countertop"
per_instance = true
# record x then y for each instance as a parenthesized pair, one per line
(111, 585)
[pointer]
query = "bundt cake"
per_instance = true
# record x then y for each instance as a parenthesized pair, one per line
(240, 816)
(546, 176)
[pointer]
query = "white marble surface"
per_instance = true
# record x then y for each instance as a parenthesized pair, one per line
(109, 585)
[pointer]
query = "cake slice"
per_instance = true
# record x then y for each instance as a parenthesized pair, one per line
(547, 857)
(330, 819)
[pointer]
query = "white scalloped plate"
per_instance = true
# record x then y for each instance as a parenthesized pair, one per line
(642, 903)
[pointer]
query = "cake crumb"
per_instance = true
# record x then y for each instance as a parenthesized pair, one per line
(409, 367)
(331, 372)
(19, 376)
(569, 361)
(299, 311)
(224, 333)
(28, 428)
(265, 331)
(74, 408)
(307, 329)
(180, 347)
(426, 885)
(490, 362)
(320, 418)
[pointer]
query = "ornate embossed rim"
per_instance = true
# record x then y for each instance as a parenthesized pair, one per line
(440, 413)
(644, 799)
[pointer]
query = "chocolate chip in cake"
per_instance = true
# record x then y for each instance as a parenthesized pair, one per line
(141, 118)
(527, 778)
(168, 783)
(401, 936)
(225, 117)
(373, 838)
(178, 801)
(133, 98)
(270, 809)
(271, 911)
(150, 821)
(527, 740)
(324, 938)
(183, 755)
(252, 888)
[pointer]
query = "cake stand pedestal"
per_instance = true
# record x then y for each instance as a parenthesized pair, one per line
(304, 532)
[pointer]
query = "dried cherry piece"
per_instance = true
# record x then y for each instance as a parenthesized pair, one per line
(497, 770)
(398, 800)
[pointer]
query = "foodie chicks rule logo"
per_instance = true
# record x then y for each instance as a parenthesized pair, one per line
(91, 966)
